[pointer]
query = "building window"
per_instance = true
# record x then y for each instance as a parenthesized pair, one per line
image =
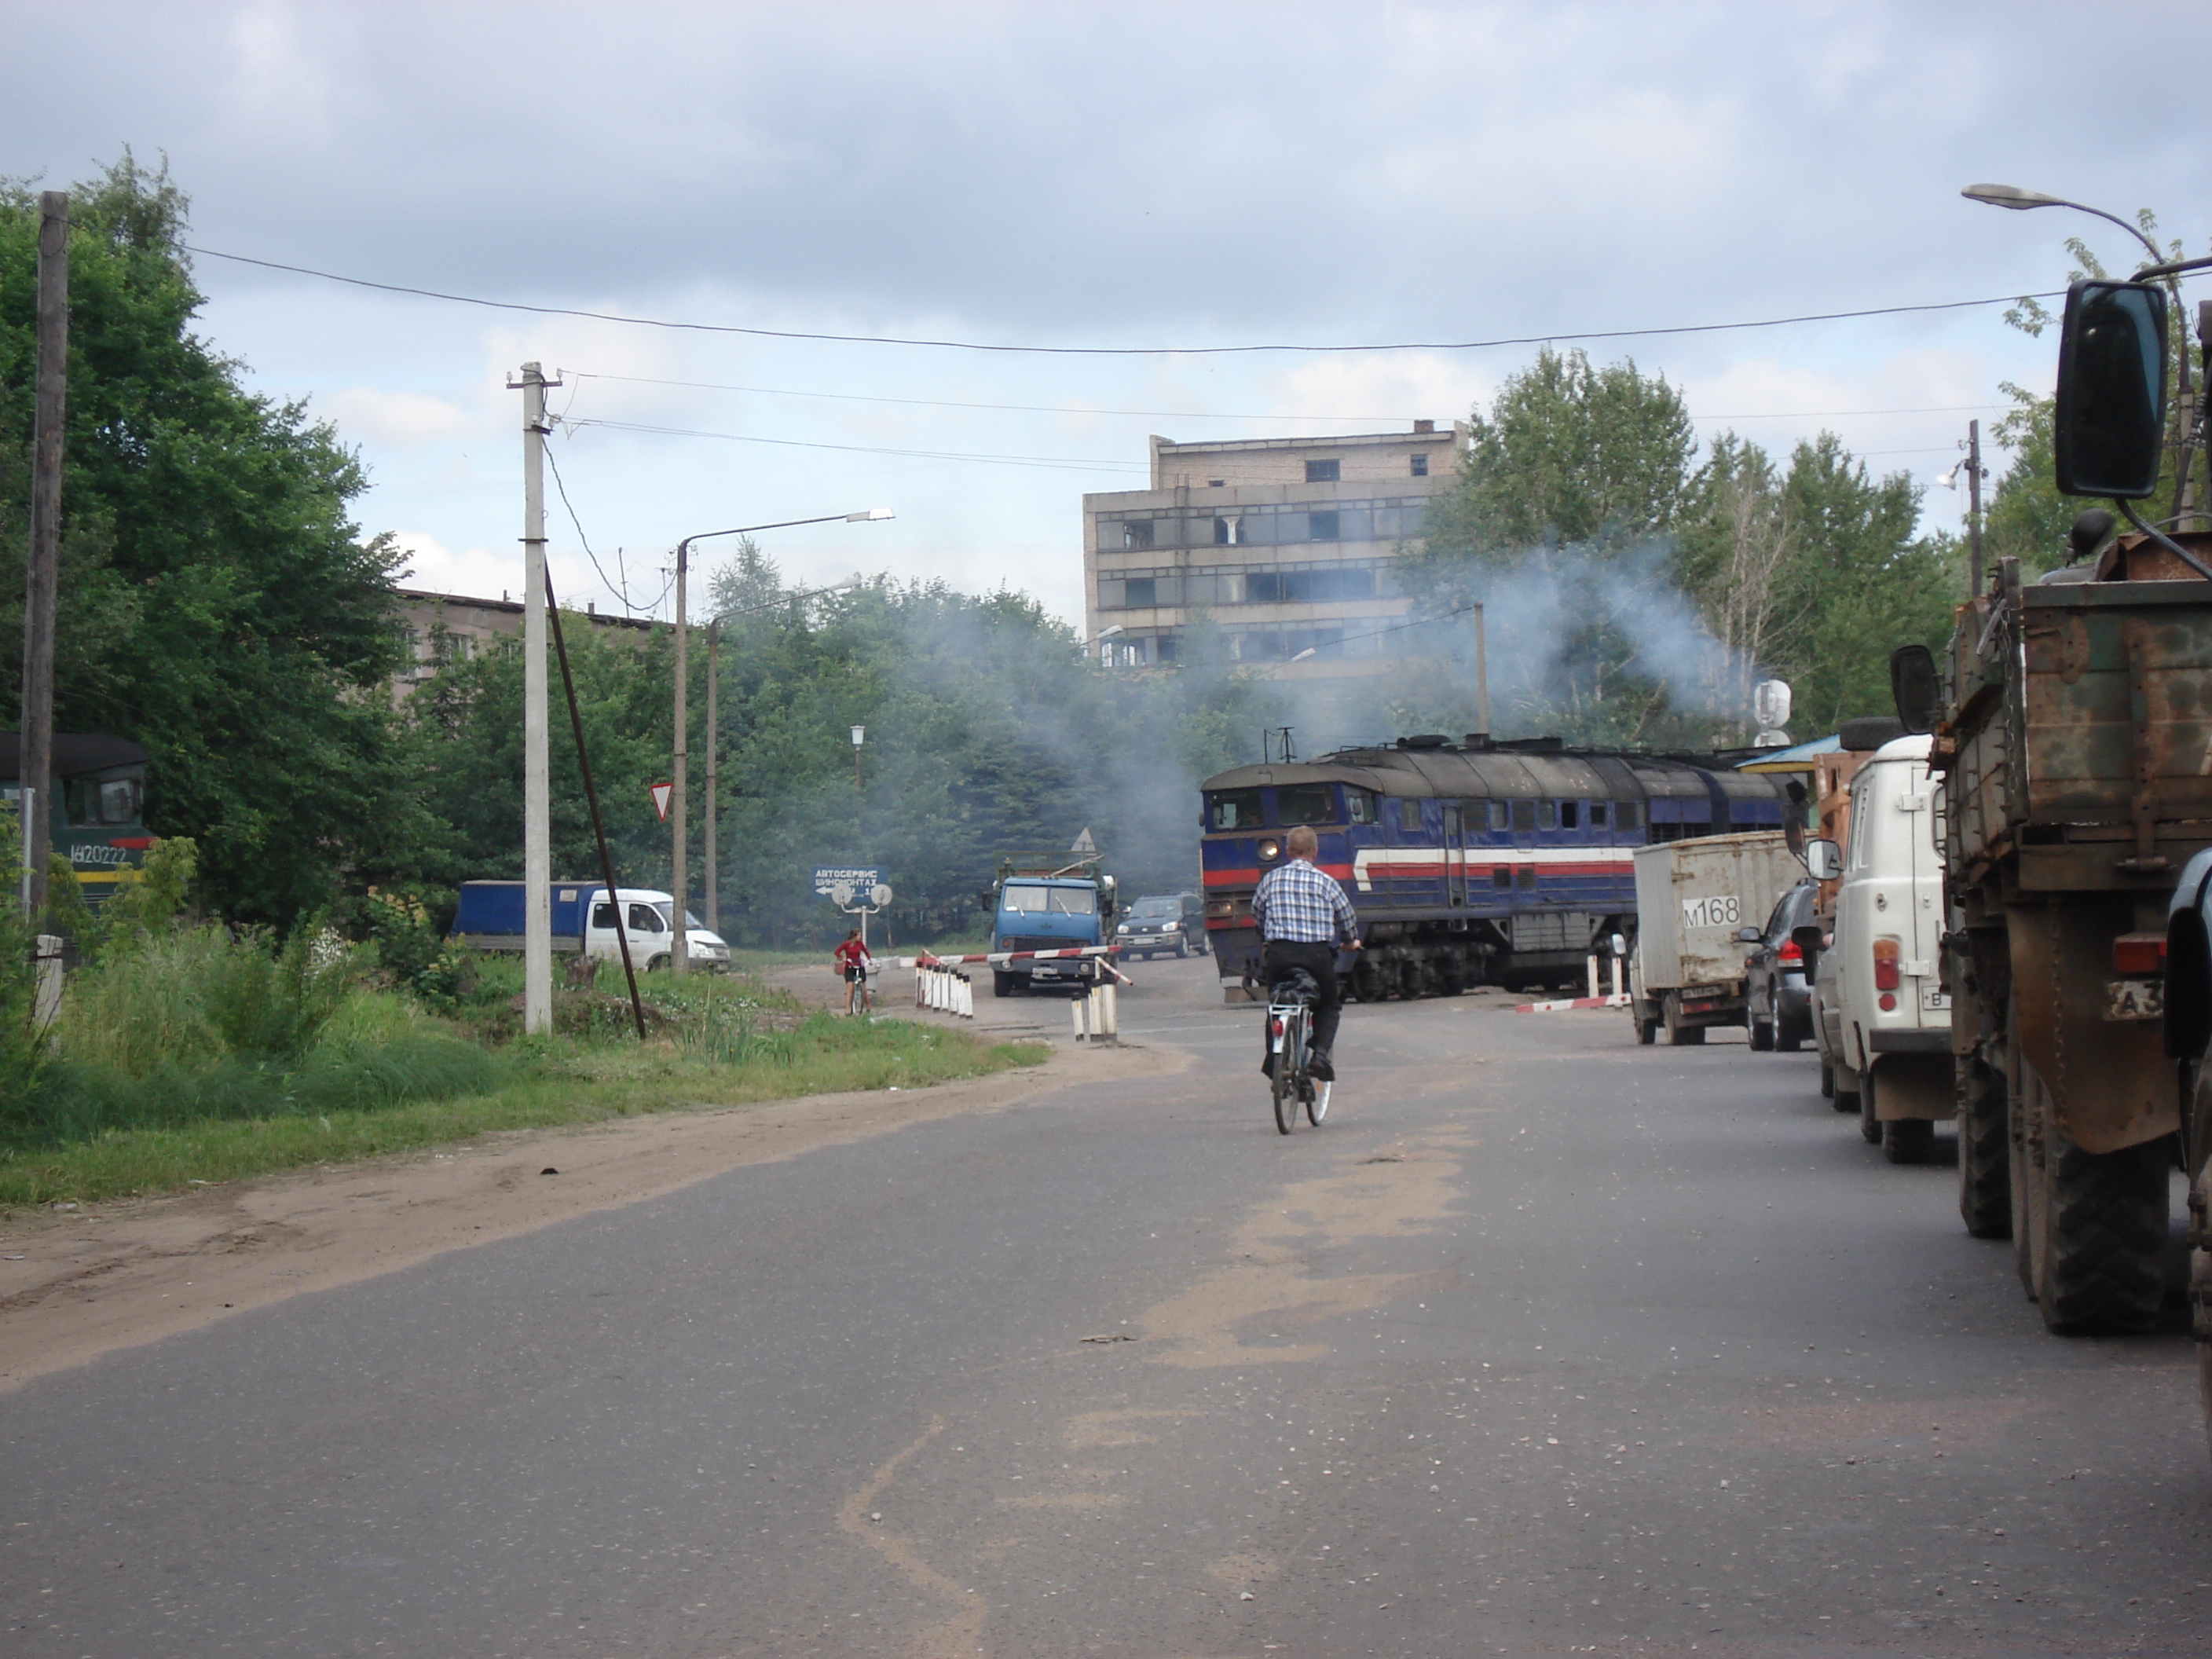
(1323, 526)
(1167, 648)
(1225, 531)
(1215, 484)
(1111, 596)
(1420, 466)
(1324, 471)
(1137, 532)
(1137, 592)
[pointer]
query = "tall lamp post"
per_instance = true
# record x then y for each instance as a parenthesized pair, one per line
(2022, 201)
(713, 882)
(679, 957)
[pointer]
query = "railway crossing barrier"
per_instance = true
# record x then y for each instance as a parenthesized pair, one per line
(944, 988)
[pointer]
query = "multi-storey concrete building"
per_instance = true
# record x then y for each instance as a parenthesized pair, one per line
(1286, 544)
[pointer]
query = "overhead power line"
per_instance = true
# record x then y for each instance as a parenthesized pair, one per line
(1064, 463)
(1188, 414)
(1112, 351)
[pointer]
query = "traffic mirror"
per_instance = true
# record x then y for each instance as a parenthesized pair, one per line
(1824, 860)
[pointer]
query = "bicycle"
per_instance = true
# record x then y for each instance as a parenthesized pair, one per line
(858, 997)
(1290, 1029)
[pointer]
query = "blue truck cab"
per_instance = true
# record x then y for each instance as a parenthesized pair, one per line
(1053, 903)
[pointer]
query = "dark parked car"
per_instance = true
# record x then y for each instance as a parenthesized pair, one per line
(1776, 993)
(1165, 922)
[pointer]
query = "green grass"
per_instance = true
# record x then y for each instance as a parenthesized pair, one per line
(194, 1055)
(542, 1082)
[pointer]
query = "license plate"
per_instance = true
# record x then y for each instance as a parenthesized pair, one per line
(2135, 999)
(1934, 999)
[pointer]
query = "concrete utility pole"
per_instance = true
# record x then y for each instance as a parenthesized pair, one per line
(35, 729)
(1481, 676)
(537, 788)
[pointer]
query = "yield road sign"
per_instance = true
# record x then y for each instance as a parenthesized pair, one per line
(660, 794)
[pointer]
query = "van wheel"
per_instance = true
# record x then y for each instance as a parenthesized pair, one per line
(1680, 1036)
(1827, 1081)
(1183, 949)
(1762, 1037)
(1869, 1125)
(1908, 1140)
(656, 965)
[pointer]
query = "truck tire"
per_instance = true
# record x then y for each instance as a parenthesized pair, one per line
(1647, 1031)
(1985, 1154)
(1908, 1140)
(1679, 1035)
(1002, 985)
(2098, 1231)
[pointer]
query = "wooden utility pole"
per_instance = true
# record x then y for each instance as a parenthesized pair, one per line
(35, 733)
(679, 807)
(713, 799)
(1974, 505)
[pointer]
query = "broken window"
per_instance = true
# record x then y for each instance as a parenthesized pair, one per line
(1137, 532)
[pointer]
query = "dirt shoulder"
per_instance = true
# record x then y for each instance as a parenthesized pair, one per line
(78, 1283)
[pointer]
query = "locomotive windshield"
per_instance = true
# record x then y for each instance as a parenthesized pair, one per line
(1306, 803)
(95, 801)
(1233, 809)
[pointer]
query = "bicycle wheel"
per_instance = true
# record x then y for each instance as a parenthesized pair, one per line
(1289, 1065)
(1317, 1102)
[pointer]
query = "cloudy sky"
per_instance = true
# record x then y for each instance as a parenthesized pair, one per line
(1122, 176)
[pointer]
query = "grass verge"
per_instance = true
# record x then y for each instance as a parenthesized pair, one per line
(539, 1084)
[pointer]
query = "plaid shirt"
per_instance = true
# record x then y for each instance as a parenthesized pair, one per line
(1297, 904)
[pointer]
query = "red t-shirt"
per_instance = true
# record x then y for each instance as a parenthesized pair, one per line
(851, 954)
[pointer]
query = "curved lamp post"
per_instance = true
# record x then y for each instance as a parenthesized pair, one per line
(677, 804)
(2020, 201)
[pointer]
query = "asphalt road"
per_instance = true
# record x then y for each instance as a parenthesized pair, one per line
(1545, 1344)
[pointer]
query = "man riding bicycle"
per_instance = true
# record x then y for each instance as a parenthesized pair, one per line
(853, 962)
(1302, 913)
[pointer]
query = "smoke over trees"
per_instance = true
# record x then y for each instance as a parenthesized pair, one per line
(1643, 591)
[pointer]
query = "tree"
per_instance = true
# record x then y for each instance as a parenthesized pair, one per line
(216, 603)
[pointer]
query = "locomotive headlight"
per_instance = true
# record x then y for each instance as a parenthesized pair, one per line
(1269, 850)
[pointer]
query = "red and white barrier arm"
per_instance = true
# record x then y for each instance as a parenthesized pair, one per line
(926, 960)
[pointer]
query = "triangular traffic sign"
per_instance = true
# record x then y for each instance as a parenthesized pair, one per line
(1084, 843)
(661, 793)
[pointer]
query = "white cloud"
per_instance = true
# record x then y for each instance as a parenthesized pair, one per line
(403, 419)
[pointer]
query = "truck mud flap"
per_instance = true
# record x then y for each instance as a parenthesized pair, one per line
(2109, 1082)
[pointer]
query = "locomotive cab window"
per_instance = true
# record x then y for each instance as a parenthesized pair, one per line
(95, 801)
(1361, 804)
(1306, 803)
(1233, 809)
(1409, 815)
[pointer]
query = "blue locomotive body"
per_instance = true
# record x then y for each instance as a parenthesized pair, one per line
(1477, 864)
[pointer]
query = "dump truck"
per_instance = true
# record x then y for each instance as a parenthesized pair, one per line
(1685, 972)
(1049, 901)
(2071, 717)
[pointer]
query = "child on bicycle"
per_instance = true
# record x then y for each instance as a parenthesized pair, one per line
(852, 963)
(1302, 914)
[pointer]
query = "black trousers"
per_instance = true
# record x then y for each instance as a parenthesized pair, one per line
(1320, 961)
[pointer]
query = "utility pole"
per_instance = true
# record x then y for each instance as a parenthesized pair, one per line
(679, 956)
(537, 788)
(714, 743)
(1974, 505)
(35, 735)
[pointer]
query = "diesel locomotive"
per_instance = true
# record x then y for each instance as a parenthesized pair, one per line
(1472, 863)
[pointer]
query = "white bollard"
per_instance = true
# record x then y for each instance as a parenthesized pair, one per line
(1593, 974)
(966, 997)
(1616, 977)
(47, 1000)
(1079, 1011)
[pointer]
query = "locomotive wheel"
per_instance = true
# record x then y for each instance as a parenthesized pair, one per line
(1984, 1153)
(2098, 1230)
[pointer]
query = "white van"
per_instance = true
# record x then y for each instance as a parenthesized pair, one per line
(1884, 1019)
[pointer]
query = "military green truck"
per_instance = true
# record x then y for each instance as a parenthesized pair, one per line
(2072, 717)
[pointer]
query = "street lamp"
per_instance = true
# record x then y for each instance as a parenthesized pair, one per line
(713, 882)
(2020, 201)
(679, 957)
(859, 735)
